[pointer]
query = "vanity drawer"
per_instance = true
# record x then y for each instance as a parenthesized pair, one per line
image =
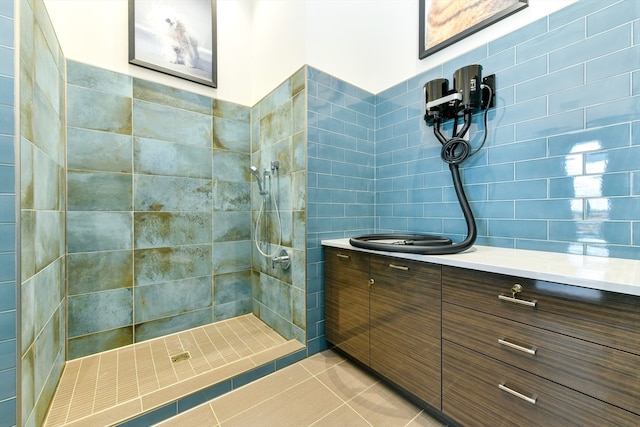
(473, 396)
(601, 372)
(339, 259)
(606, 318)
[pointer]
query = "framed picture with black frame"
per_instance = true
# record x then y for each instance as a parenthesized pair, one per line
(175, 37)
(444, 22)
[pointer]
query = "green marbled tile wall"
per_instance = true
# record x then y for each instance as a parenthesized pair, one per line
(278, 133)
(42, 212)
(159, 209)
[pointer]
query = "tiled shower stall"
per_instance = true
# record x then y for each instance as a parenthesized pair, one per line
(165, 208)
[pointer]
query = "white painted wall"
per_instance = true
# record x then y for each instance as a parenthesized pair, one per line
(370, 43)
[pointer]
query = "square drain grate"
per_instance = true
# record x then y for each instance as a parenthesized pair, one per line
(180, 357)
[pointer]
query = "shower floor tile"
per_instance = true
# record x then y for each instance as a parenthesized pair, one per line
(115, 385)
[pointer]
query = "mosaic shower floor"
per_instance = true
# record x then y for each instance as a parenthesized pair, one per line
(116, 385)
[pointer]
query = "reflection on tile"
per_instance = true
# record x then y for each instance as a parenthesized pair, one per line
(346, 380)
(379, 405)
(344, 415)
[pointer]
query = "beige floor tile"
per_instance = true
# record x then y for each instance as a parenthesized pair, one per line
(276, 352)
(381, 406)
(346, 380)
(297, 406)
(343, 416)
(231, 404)
(200, 416)
(425, 420)
(322, 361)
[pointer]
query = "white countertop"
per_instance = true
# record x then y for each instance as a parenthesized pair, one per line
(607, 274)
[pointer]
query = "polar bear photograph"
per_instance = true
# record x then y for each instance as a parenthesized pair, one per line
(174, 36)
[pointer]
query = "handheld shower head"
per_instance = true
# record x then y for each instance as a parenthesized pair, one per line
(254, 172)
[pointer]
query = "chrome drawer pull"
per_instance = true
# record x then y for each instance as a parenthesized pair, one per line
(342, 256)
(531, 350)
(528, 399)
(518, 301)
(399, 267)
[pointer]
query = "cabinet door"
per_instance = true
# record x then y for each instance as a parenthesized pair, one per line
(347, 302)
(405, 325)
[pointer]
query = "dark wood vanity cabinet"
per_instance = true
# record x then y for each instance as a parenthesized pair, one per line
(488, 349)
(347, 302)
(385, 312)
(521, 352)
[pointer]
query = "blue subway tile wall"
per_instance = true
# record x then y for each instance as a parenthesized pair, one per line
(8, 277)
(340, 181)
(558, 171)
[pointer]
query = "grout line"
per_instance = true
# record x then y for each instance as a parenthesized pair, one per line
(270, 397)
(215, 416)
(344, 404)
(252, 334)
(73, 392)
(95, 390)
(226, 340)
(214, 345)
